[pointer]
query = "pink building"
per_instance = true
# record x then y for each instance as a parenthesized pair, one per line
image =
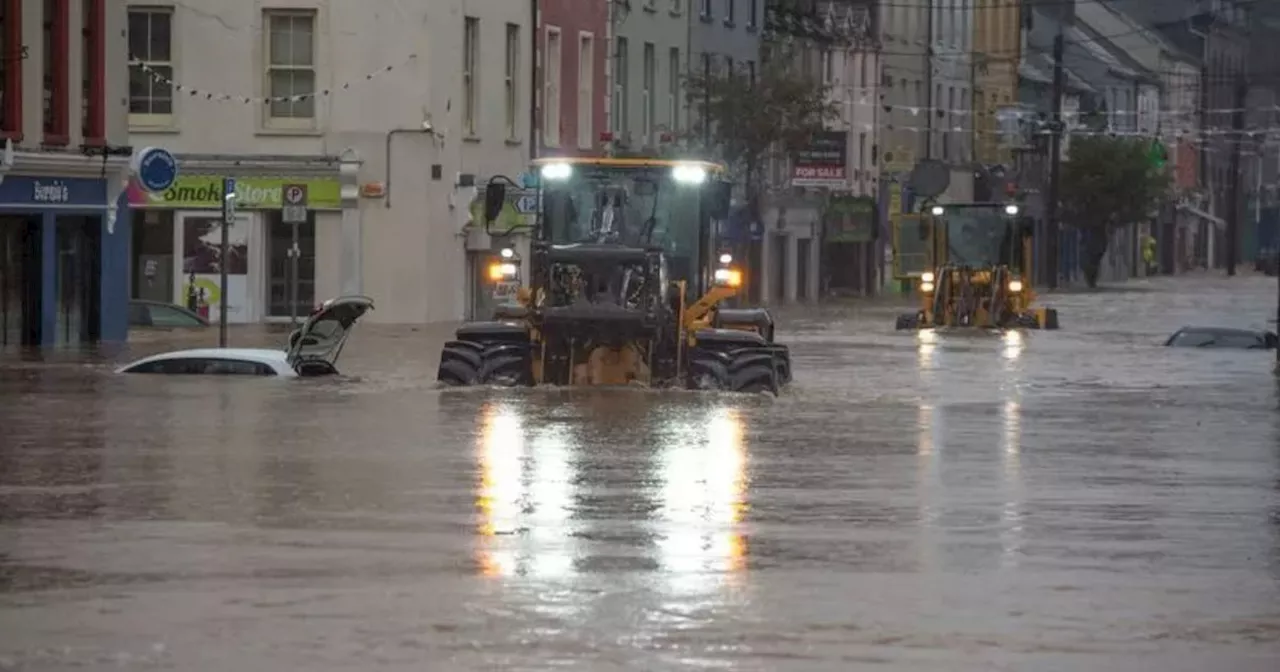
(573, 45)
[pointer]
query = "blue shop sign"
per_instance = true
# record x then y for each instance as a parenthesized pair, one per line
(157, 169)
(35, 193)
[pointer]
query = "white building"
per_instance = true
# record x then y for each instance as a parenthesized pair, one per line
(951, 119)
(385, 111)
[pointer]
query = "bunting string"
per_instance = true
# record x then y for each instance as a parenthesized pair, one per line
(193, 92)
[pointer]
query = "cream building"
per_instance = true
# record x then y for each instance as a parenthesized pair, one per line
(389, 114)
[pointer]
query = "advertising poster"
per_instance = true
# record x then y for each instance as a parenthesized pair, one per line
(202, 257)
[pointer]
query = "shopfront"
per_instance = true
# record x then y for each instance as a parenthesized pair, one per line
(61, 264)
(176, 245)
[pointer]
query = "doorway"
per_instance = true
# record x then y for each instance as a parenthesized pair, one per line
(78, 276)
(20, 254)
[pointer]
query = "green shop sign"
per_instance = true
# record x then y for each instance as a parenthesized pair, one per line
(203, 192)
(510, 218)
(850, 220)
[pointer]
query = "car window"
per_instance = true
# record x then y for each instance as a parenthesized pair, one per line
(138, 315)
(169, 316)
(204, 366)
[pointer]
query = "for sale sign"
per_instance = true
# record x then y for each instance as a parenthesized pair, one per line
(823, 162)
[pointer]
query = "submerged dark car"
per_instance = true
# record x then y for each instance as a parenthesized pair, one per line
(1219, 337)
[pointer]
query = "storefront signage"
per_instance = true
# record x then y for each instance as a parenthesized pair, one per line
(20, 191)
(850, 220)
(156, 169)
(204, 192)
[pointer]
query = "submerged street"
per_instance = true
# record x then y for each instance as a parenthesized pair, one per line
(1070, 500)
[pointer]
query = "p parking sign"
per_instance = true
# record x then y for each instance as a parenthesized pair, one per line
(294, 204)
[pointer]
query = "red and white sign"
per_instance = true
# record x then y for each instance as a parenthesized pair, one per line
(823, 162)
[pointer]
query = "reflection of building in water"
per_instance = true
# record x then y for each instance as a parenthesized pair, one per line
(1011, 530)
(704, 497)
(525, 491)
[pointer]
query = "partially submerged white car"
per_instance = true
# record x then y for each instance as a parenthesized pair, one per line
(313, 349)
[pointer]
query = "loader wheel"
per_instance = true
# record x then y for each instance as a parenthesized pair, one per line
(455, 372)
(908, 321)
(755, 379)
(1027, 321)
(506, 371)
(707, 373)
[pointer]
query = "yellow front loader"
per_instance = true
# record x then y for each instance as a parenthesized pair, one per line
(970, 264)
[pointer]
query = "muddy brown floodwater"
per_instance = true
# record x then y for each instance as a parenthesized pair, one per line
(1073, 500)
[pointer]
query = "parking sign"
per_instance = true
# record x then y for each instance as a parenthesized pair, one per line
(294, 204)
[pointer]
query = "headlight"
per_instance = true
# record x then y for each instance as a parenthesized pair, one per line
(556, 171)
(1011, 209)
(1015, 285)
(507, 253)
(689, 174)
(926, 286)
(927, 276)
(726, 259)
(501, 272)
(937, 211)
(728, 277)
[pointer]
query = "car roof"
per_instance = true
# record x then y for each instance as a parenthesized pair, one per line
(259, 355)
(1221, 331)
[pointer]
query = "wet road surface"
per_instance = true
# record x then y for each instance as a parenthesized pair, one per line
(1057, 501)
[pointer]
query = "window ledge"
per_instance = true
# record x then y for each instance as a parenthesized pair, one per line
(473, 139)
(730, 24)
(705, 18)
(514, 142)
(650, 9)
(268, 132)
(675, 13)
(158, 130)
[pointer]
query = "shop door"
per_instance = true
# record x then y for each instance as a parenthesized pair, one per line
(19, 281)
(78, 290)
(198, 238)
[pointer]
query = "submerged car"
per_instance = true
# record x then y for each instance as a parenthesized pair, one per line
(313, 349)
(1221, 337)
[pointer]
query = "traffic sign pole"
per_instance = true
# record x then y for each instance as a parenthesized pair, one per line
(293, 211)
(228, 219)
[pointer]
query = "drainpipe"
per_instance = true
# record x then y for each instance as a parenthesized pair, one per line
(535, 86)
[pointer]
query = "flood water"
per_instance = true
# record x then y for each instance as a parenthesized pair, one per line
(1072, 500)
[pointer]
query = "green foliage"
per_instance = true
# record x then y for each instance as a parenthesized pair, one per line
(1108, 182)
(779, 110)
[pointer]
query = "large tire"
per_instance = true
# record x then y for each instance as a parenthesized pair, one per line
(506, 370)
(706, 371)
(907, 321)
(755, 379)
(456, 373)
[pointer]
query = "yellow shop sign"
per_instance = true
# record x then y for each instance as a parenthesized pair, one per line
(200, 192)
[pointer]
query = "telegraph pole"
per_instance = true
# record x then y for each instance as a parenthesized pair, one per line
(928, 81)
(1055, 160)
(1237, 138)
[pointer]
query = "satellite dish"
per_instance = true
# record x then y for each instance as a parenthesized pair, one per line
(929, 178)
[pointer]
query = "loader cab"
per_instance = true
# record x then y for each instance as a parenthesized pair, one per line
(980, 235)
(644, 204)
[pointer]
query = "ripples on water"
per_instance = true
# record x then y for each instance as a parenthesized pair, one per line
(1074, 500)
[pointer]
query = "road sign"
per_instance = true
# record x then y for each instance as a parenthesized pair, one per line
(229, 201)
(156, 168)
(527, 204)
(294, 204)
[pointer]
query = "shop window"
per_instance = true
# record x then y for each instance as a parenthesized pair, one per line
(12, 54)
(153, 256)
(279, 264)
(56, 71)
(151, 74)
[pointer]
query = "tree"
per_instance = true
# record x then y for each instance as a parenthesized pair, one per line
(1108, 182)
(745, 120)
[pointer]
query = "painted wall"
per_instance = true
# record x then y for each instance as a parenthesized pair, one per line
(665, 29)
(574, 20)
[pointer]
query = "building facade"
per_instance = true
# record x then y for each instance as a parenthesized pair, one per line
(63, 234)
(389, 120)
(995, 54)
(573, 49)
(649, 50)
(950, 140)
(722, 33)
